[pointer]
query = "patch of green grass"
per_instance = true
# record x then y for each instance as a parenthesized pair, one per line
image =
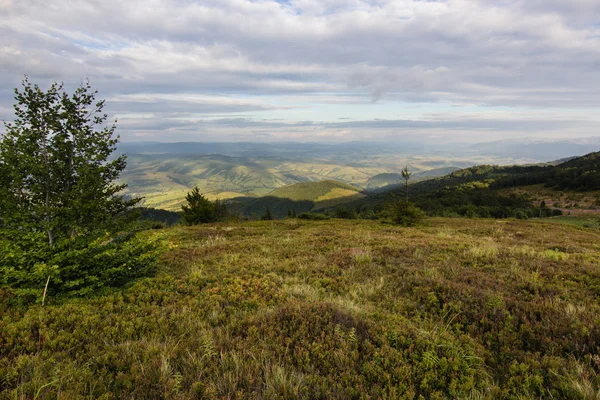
(582, 221)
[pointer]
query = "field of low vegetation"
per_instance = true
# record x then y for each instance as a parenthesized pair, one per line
(343, 309)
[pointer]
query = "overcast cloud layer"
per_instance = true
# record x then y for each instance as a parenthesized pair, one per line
(332, 70)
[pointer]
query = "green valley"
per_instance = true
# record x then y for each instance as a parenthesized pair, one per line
(164, 180)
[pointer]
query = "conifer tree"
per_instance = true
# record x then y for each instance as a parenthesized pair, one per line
(406, 175)
(267, 216)
(199, 209)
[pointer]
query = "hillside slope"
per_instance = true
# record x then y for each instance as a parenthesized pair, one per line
(499, 191)
(388, 180)
(312, 191)
(339, 310)
(301, 197)
(164, 179)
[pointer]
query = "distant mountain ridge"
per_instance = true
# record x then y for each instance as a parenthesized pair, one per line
(164, 172)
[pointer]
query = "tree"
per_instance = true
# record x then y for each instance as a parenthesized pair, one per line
(406, 175)
(267, 216)
(58, 194)
(57, 176)
(200, 210)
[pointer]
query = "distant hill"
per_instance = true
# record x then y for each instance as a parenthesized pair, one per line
(164, 172)
(164, 179)
(481, 190)
(385, 179)
(539, 149)
(389, 180)
(301, 197)
(313, 191)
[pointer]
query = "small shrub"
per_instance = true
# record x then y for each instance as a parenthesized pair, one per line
(406, 214)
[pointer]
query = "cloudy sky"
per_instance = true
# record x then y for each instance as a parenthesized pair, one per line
(317, 70)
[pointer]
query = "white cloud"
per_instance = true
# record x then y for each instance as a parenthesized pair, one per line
(232, 56)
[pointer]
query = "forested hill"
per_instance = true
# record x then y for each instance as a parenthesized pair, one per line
(301, 197)
(580, 173)
(475, 191)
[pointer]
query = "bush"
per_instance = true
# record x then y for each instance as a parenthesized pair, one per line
(267, 216)
(345, 213)
(405, 213)
(73, 267)
(201, 210)
(64, 226)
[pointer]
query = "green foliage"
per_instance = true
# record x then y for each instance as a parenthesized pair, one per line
(200, 210)
(313, 216)
(345, 212)
(56, 175)
(74, 268)
(62, 218)
(406, 176)
(405, 213)
(158, 216)
(267, 216)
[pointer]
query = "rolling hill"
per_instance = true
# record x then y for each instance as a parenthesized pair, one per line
(387, 181)
(164, 172)
(500, 191)
(481, 191)
(164, 179)
(301, 197)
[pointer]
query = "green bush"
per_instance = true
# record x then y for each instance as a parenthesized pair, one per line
(267, 216)
(199, 209)
(64, 226)
(77, 267)
(313, 216)
(406, 213)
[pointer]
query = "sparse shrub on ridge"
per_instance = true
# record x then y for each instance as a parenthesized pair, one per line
(313, 216)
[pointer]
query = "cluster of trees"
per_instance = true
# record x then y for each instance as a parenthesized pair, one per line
(480, 202)
(64, 227)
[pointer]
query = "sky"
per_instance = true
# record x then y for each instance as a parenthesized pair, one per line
(316, 70)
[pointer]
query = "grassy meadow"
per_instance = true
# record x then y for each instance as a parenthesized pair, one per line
(343, 309)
